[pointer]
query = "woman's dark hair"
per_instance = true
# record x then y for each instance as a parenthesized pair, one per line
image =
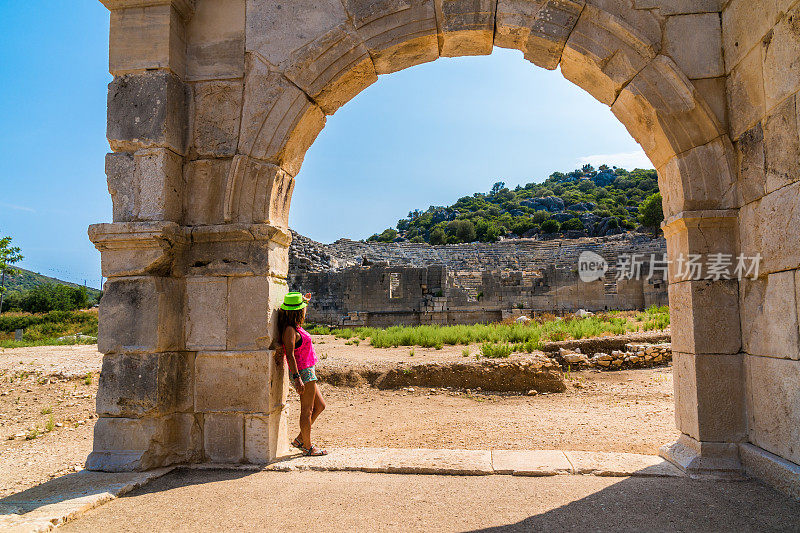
(292, 318)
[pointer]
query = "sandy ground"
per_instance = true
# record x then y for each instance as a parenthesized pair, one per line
(353, 501)
(629, 411)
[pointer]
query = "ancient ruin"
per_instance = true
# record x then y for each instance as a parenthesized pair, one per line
(214, 103)
(385, 284)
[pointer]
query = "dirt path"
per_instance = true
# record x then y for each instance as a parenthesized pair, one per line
(629, 411)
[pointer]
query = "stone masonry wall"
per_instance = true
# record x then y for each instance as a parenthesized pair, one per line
(383, 284)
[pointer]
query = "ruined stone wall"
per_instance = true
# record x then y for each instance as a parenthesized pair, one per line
(383, 284)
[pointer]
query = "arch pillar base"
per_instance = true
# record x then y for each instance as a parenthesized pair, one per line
(704, 460)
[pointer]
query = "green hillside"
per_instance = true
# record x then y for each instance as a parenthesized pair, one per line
(26, 280)
(584, 202)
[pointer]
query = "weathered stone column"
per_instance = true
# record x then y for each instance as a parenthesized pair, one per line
(235, 278)
(706, 345)
(145, 399)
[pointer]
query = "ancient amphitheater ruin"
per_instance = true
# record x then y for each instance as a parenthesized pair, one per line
(384, 284)
(215, 102)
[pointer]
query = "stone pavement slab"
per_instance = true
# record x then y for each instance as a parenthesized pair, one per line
(620, 464)
(395, 461)
(530, 462)
(50, 504)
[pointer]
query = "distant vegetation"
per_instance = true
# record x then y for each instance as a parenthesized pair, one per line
(49, 297)
(45, 329)
(34, 293)
(588, 201)
(500, 340)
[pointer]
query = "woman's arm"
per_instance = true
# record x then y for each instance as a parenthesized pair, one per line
(289, 337)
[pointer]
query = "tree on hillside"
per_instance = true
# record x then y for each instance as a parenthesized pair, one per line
(650, 212)
(8, 256)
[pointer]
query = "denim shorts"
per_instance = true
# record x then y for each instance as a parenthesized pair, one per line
(308, 374)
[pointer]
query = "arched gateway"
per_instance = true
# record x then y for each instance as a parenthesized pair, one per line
(215, 102)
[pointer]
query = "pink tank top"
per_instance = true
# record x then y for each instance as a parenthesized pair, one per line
(305, 355)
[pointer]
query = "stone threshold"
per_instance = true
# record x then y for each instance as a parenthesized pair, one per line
(470, 463)
(51, 504)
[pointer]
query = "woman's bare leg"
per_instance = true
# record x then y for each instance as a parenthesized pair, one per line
(306, 412)
(318, 405)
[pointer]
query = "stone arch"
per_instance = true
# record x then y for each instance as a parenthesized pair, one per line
(214, 104)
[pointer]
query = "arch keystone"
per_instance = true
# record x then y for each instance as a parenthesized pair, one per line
(466, 27)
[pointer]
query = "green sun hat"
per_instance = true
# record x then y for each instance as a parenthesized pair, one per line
(293, 301)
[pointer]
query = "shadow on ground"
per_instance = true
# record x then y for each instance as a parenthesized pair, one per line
(340, 501)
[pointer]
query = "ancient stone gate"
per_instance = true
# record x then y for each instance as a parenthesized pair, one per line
(214, 103)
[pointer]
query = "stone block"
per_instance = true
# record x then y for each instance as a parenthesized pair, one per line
(146, 185)
(774, 470)
(744, 25)
(141, 314)
(603, 54)
(204, 191)
(279, 122)
(276, 31)
(137, 248)
(701, 178)
(332, 69)
(466, 27)
(315, 46)
(206, 313)
(746, 103)
(215, 114)
(752, 165)
(121, 185)
(138, 385)
(530, 462)
(237, 250)
(701, 233)
(782, 146)
(781, 52)
(146, 38)
(147, 110)
(232, 381)
(717, 461)
(713, 91)
(709, 396)
(127, 444)
(773, 405)
(158, 174)
(694, 42)
(252, 299)
(704, 317)
(215, 36)
(257, 441)
(680, 7)
(223, 437)
(648, 23)
(398, 34)
(539, 29)
(258, 192)
(766, 229)
(769, 315)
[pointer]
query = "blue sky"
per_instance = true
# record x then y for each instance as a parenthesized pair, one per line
(424, 136)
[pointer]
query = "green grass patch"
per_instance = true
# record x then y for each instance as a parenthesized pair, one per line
(44, 329)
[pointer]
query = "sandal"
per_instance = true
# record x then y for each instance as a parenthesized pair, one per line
(297, 443)
(313, 451)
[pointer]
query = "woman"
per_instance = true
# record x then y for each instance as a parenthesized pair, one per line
(299, 354)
